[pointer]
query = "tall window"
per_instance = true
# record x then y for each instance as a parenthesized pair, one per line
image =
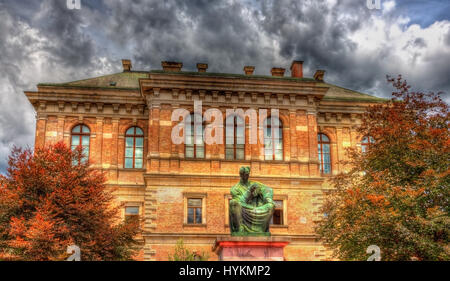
(134, 148)
(366, 142)
(277, 218)
(234, 137)
(194, 210)
(194, 145)
(324, 153)
(81, 136)
(273, 139)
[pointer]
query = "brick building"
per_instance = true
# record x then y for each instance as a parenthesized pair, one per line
(123, 121)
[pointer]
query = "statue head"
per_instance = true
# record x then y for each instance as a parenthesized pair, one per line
(244, 172)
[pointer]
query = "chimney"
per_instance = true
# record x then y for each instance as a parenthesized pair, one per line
(297, 69)
(171, 66)
(126, 65)
(277, 71)
(202, 67)
(248, 70)
(318, 76)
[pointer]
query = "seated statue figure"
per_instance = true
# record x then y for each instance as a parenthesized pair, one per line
(251, 207)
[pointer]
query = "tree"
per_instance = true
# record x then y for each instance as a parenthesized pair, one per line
(181, 253)
(47, 202)
(396, 194)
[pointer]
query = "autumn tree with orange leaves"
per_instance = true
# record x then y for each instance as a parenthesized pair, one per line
(48, 203)
(395, 195)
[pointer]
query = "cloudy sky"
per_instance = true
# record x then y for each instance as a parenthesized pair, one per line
(44, 41)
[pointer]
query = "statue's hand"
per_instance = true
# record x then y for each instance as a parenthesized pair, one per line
(250, 193)
(254, 191)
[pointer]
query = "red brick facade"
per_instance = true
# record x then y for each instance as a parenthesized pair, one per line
(111, 104)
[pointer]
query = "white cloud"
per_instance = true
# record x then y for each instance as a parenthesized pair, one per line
(388, 6)
(412, 51)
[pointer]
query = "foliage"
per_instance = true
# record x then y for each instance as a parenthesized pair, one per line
(47, 204)
(396, 195)
(181, 253)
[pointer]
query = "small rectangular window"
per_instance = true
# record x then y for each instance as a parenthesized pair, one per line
(132, 213)
(194, 211)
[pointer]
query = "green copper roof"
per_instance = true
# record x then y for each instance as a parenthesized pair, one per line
(122, 80)
(343, 94)
(129, 80)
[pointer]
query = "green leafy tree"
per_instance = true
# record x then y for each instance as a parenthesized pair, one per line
(396, 194)
(47, 203)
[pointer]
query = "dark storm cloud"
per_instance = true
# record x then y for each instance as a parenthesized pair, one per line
(43, 41)
(39, 41)
(70, 46)
(231, 34)
(190, 31)
(320, 33)
(313, 32)
(60, 26)
(13, 129)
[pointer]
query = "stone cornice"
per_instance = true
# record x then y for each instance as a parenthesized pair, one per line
(106, 103)
(222, 181)
(186, 97)
(212, 85)
(85, 96)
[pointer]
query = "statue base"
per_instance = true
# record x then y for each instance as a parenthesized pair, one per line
(249, 248)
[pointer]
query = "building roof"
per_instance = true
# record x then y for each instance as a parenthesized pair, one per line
(343, 94)
(129, 80)
(123, 80)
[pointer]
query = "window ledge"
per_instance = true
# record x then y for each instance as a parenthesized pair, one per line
(132, 169)
(194, 224)
(276, 161)
(278, 226)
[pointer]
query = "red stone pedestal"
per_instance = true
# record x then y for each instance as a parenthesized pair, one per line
(233, 248)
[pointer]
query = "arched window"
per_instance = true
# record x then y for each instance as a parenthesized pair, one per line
(366, 142)
(81, 136)
(194, 145)
(324, 153)
(234, 138)
(273, 139)
(134, 148)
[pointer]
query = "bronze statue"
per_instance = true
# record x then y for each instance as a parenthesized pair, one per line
(251, 207)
